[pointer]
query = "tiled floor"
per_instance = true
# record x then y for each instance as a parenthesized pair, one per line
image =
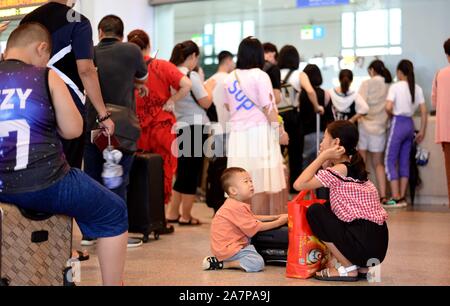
(419, 254)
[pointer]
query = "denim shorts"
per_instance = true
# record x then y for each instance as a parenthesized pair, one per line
(249, 259)
(99, 212)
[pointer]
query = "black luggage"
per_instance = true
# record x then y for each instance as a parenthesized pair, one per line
(146, 196)
(273, 245)
(215, 196)
(35, 248)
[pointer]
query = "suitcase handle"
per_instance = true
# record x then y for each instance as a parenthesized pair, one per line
(34, 215)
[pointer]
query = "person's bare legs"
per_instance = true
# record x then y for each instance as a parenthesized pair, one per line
(363, 154)
(186, 207)
(111, 255)
(378, 165)
(395, 189)
(403, 186)
(260, 204)
(341, 259)
(173, 209)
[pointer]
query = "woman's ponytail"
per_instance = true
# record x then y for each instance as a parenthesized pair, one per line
(358, 167)
(346, 79)
(380, 69)
(182, 51)
(407, 68)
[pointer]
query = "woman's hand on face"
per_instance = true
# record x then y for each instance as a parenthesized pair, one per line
(333, 153)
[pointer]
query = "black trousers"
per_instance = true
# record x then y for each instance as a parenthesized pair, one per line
(362, 242)
(295, 147)
(190, 159)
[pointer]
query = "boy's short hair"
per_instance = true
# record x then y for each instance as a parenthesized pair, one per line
(223, 56)
(112, 25)
(29, 33)
(227, 175)
(447, 47)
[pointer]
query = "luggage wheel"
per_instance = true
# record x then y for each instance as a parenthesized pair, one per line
(4, 282)
(145, 239)
(156, 235)
(68, 282)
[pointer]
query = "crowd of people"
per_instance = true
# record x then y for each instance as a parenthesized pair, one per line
(265, 112)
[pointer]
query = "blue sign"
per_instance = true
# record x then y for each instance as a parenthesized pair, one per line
(319, 32)
(317, 3)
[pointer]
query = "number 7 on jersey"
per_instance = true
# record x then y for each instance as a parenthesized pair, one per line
(23, 140)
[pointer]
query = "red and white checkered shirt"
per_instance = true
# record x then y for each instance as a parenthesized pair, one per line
(352, 199)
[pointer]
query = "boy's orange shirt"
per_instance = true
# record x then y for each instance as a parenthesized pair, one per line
(231, 229)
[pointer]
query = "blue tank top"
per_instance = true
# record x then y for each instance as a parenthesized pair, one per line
(31, 153)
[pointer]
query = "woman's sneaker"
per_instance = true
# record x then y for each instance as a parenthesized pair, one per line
(212, 263)
(85, 241)
(134, 242)
(396, 203)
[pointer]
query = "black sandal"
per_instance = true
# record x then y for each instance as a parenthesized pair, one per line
(190, 222)
(173, 220)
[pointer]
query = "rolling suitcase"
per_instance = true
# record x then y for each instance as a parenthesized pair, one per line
(35, 249)
(146, 196)
(273, 245)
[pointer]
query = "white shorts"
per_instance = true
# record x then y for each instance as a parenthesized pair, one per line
(371, 143)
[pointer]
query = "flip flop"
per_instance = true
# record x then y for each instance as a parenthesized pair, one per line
(190, 222)
(173, 220)
(81, 256)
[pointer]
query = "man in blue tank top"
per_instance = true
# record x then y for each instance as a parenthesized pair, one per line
(36, 109)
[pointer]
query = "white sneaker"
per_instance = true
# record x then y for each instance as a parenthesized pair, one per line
(134, 243)
(88, 242)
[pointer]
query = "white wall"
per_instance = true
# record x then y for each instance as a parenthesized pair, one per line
(136, 14)
(425, 28)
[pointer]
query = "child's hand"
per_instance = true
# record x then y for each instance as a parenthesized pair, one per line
(333, 153)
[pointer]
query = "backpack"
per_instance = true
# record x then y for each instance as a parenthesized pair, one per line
(289, 93)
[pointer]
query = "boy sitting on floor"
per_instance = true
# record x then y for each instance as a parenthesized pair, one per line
(235, 224)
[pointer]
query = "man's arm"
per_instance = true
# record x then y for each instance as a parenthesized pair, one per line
(68, 119)
(89, 77)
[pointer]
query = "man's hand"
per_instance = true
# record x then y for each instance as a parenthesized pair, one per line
(109, 126)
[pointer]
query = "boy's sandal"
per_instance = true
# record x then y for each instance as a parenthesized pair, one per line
(324, 275)
(191, 222)
(384, 200)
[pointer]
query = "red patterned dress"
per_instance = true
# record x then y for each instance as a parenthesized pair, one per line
(156, 124)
